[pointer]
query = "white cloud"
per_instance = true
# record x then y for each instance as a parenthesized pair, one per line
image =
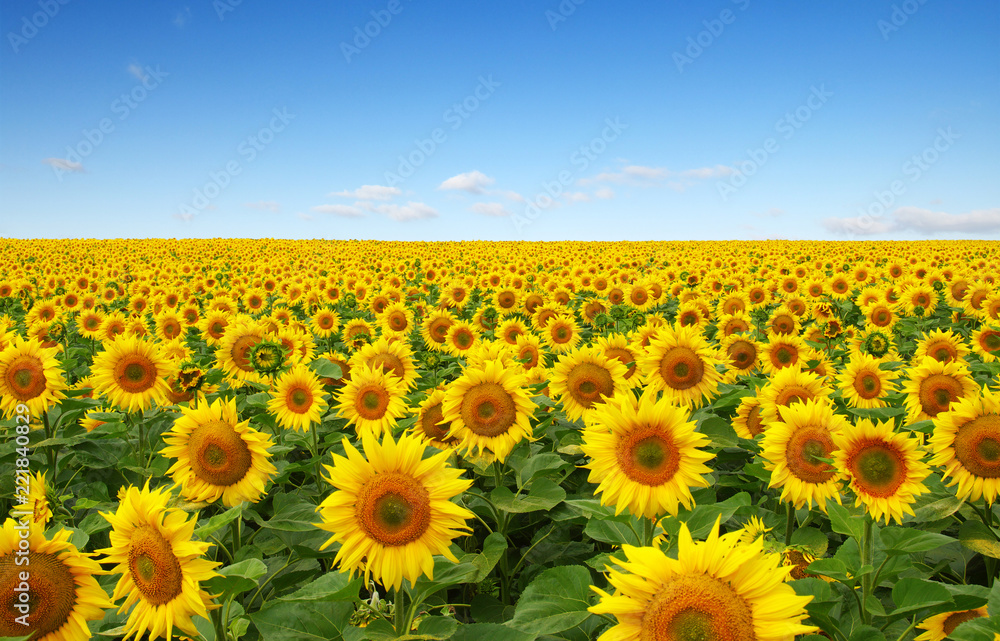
(604, 193)
(63, 164)
(474, 182)
(136, 70)
(348, 211)
(920, 220)
(490, 209)
(370, 192)
(577, 196)
(409, 211)
(511, 195)
(643, 175)
(264, 205)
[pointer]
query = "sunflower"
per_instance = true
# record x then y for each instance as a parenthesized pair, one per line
(884, 468)
(213, 326)
(617, 346)
(396, 320)
(782, 351)
(794, 451)
(161, 568)
(88, 323)
(561, 333)
(749, 421)
(741, 354)
(940, 626)
(37, 504)
(680, 362)
(718, 589)
(324, 323)
(863, 384)
(941, 345)
(488, 409)
(29, 375)
(169, 325)
(217, 455)
(357, 332)
(434, 329)
(788, 386)
(585, 377)
(933, 386)
(392, 509)
(63, 593)
(233, 351)
(644, 455)
(510, 329)
(879, 314)
(918, 300)
(966, 443)
(783, 322)
(297, 399)
(876, 342)
(395, 357)
(132, 374)
(430, 424)
(372, 400)
(986, 342)
(730, 324)
(461, 338)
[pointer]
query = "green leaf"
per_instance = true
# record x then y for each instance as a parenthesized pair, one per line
(905, 540)
(303, 621)
(912, 594)
(218, 521)
(493, 549)
(981, 629)
(540, 464)
(702, 518)
(488, 609)
(979, 538)
(878, 413)
(556, 600)
(332, 586)
(866, 633)
(843, 522)
(446, 574)
(616, 530)
(433, 628)
(993, 607)
(325, 368)
(238, 577)
(544, 495)
(720, 431)
(490, 632)
(935, 507)
(813, 540)
(833, 568)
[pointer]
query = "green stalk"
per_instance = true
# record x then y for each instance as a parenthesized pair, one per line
(867, 555)
(648, 529)
(50, 451)
(789, 523)
(399, 611)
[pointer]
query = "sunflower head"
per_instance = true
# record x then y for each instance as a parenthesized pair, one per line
(268, 357)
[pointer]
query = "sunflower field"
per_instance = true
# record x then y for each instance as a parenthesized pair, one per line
(320, 440)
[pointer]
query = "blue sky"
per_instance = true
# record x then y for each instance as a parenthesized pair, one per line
(502, 120)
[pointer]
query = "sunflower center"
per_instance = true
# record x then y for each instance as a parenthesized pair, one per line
(755, 421)
(241, 352)
(697, 608)
(439, 329)
(742, 354)
(877, 345)
(681, 368)
(625, 357)
(488, 409)
(867, 385)
(51, 595)
(878, 469)
(942, 352)
(561, 334)
(803, 454)
(463, 339)
(957, 618)
(937, 392)
(153, 567)
(390, 363)
(784, 355)
(25, 378)
(431, 421)
(218, 454)
(783, 324)
(393, 509)
(648, 456)
(792, 394)
(990, 341)
(977, 446)
(588, 382)
(299, 400)
(373, 401)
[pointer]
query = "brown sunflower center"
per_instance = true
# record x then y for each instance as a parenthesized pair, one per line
(625, 357)
(463, 338)
(135, 373)
(218, 454)
(153, 566)
(299, 400)
(792, 394)
(681, 368)
(742, 354)
(877, 467)
(431, 423)
(783, 324)
(957, 618)
(937, 392)
(393, 509)
(438, 329)
(977, 446)
(990, 340)
(397, 321)
(755, 421)
(942, 351)
(697, 608)
(372, 402)
(390, 363)
(561, 334)
(25, 377)
(240, 352)
(867, 385)
(648, 456)
(784, 355)
(588, 382)
(51, 595)
(805, 448)
(488, 409)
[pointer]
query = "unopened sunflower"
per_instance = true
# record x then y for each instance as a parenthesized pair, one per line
(392, 509)
(217, 455)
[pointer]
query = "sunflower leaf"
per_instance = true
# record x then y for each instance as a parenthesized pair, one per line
(219, 521)
(491, 631)
(545, 494)
(556, 600)
(911, 594)
(332, 586)
(899, 540)
(843, 522)
(238, 577)
(979, 538)
(303, 621)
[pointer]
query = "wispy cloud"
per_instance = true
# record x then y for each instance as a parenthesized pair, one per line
(409, 211)
(264, 205)
(474, 182)
(370, 192)
(63, 164)
(642, 175)
(604, 193)
(347, 211)
(490, 209)
(920, 220)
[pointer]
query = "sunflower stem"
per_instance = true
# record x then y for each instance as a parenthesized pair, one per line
(399, 611)
(907, 630)
(867, 556)
(789, 523)
(50, 451)
(315, 447)
(648, 529)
